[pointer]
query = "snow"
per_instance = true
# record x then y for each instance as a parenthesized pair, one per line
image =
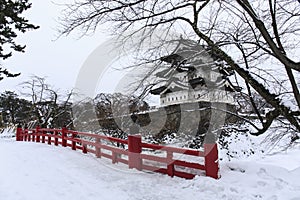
(34, 171)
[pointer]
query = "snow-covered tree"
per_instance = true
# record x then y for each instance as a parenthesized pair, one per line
(49, 107)
(258, 40)
(14, 109)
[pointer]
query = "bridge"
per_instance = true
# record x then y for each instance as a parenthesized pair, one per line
(133, 152)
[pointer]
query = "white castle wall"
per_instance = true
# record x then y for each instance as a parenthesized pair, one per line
(186, 96)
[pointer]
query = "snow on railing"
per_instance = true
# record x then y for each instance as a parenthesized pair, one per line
(133, 152)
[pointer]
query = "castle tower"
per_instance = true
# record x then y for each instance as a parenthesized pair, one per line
(193, 74)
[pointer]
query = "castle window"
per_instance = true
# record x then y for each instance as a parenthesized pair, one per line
(169, 99)
(176, 98)
(163, 101)
(184, 97)
(172, 98)
(180, 97)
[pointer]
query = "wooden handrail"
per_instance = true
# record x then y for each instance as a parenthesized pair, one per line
(133, 154)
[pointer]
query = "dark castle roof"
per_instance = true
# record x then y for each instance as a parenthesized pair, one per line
(185, 59)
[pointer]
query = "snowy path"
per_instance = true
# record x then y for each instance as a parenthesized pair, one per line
(31, 171)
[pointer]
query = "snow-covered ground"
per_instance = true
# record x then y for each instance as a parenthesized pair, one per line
(32, 171)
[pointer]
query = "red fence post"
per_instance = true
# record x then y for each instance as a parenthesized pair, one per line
(19, 133)
(33, 135)
(49, 138)
(26, 134)
(63, 136)
(55, 138)
(211, 160)
(84, 148)
(73, 141)
(114, 157)
(43, 136)
(28, 138)
(134, 148)
(170, 167)
(98, 149)
(37, 132)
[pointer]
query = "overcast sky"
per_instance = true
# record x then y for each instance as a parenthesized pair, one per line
(58, 60)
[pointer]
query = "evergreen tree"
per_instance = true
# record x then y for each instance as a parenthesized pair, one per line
(11, 24)
(14, 109)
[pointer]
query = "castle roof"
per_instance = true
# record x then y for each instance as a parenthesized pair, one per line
(190, 59)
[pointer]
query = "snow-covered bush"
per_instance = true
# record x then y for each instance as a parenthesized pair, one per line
(235, 141)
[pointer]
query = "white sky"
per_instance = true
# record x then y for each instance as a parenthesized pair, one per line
(58, 60)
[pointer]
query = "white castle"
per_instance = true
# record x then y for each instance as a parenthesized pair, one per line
(193, 74)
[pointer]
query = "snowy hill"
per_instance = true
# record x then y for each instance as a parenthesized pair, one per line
(32, 171)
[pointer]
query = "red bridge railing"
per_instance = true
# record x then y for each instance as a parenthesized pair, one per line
(134, 152)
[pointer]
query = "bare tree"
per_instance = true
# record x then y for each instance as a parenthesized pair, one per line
(258, 39)
(48, 106)
(109, 113)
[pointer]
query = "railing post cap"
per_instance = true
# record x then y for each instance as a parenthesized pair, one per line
(135, 135)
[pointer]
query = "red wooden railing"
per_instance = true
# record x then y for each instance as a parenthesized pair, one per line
(134, 154)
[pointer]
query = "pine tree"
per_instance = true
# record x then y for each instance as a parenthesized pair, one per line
(14, 109)
(11, 24)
